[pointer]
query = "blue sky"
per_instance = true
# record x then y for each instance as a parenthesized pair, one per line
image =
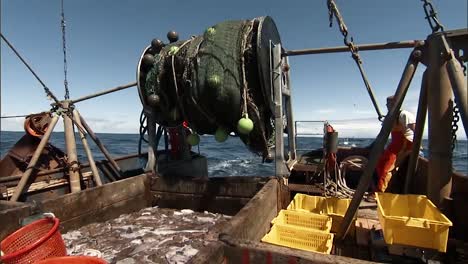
(105, 39)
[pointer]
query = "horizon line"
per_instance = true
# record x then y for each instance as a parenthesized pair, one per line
(303, 136)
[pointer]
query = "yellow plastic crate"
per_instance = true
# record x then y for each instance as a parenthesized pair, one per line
(300, 238)
(304, 219)
(331, 206)
(412, 220)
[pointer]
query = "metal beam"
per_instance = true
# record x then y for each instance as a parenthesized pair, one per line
(440, 107)
(89, 154)
(364, 47)
(72, 156)
(290, 117)
(276, 73)
(152, 164)
(418, 133)
(380, 141)
(111, 90)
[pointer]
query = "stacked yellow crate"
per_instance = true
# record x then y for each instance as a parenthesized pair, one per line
(302, 229)
(334, 207)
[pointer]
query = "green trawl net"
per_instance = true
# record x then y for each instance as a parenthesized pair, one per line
(203, 80)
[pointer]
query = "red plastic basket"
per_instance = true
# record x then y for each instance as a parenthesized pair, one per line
(73, 260)
(39, 240)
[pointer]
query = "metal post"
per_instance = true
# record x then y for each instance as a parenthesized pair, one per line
(439, 181)
(418, 133)
(290, 117)
(103, 149)
(89, 154)
(380, 141)
(152, 159)
(25, 178)
(72, 158)
(275, 66)
(458, 81)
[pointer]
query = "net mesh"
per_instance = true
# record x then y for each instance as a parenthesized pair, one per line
(201, 81)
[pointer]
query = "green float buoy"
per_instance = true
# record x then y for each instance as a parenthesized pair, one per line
(193, 139)
(221, 134)
(245, 125)
(214, 81)
(211, 31)
(173, 50)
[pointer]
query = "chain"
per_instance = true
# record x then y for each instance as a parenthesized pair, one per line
(334, 12)
(431, 16)
(456, 118)
(64, 46)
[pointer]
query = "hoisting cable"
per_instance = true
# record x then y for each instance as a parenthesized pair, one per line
(46, 89)
(64, 47)
(333, 11)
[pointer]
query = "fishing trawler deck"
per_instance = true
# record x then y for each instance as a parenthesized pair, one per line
(234, 79)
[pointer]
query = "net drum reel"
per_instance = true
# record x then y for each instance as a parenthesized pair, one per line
(214, 80)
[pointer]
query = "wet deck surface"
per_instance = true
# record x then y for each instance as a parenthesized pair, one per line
(368, 210)
(152, 235)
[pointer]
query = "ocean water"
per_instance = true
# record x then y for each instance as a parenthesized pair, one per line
(230, 158)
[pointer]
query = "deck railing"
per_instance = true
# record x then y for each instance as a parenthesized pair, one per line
(306, 133)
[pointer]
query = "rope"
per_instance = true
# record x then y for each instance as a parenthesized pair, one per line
(244, 79)
(335, 182)
(333, 11)
(64, 46)
(46, 89)
(142, 131)
(175, 79)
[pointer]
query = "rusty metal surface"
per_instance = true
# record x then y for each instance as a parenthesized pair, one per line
(37, 124)
(440, 105)
(17, 159)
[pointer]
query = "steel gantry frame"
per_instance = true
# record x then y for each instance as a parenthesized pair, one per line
(443, 85)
